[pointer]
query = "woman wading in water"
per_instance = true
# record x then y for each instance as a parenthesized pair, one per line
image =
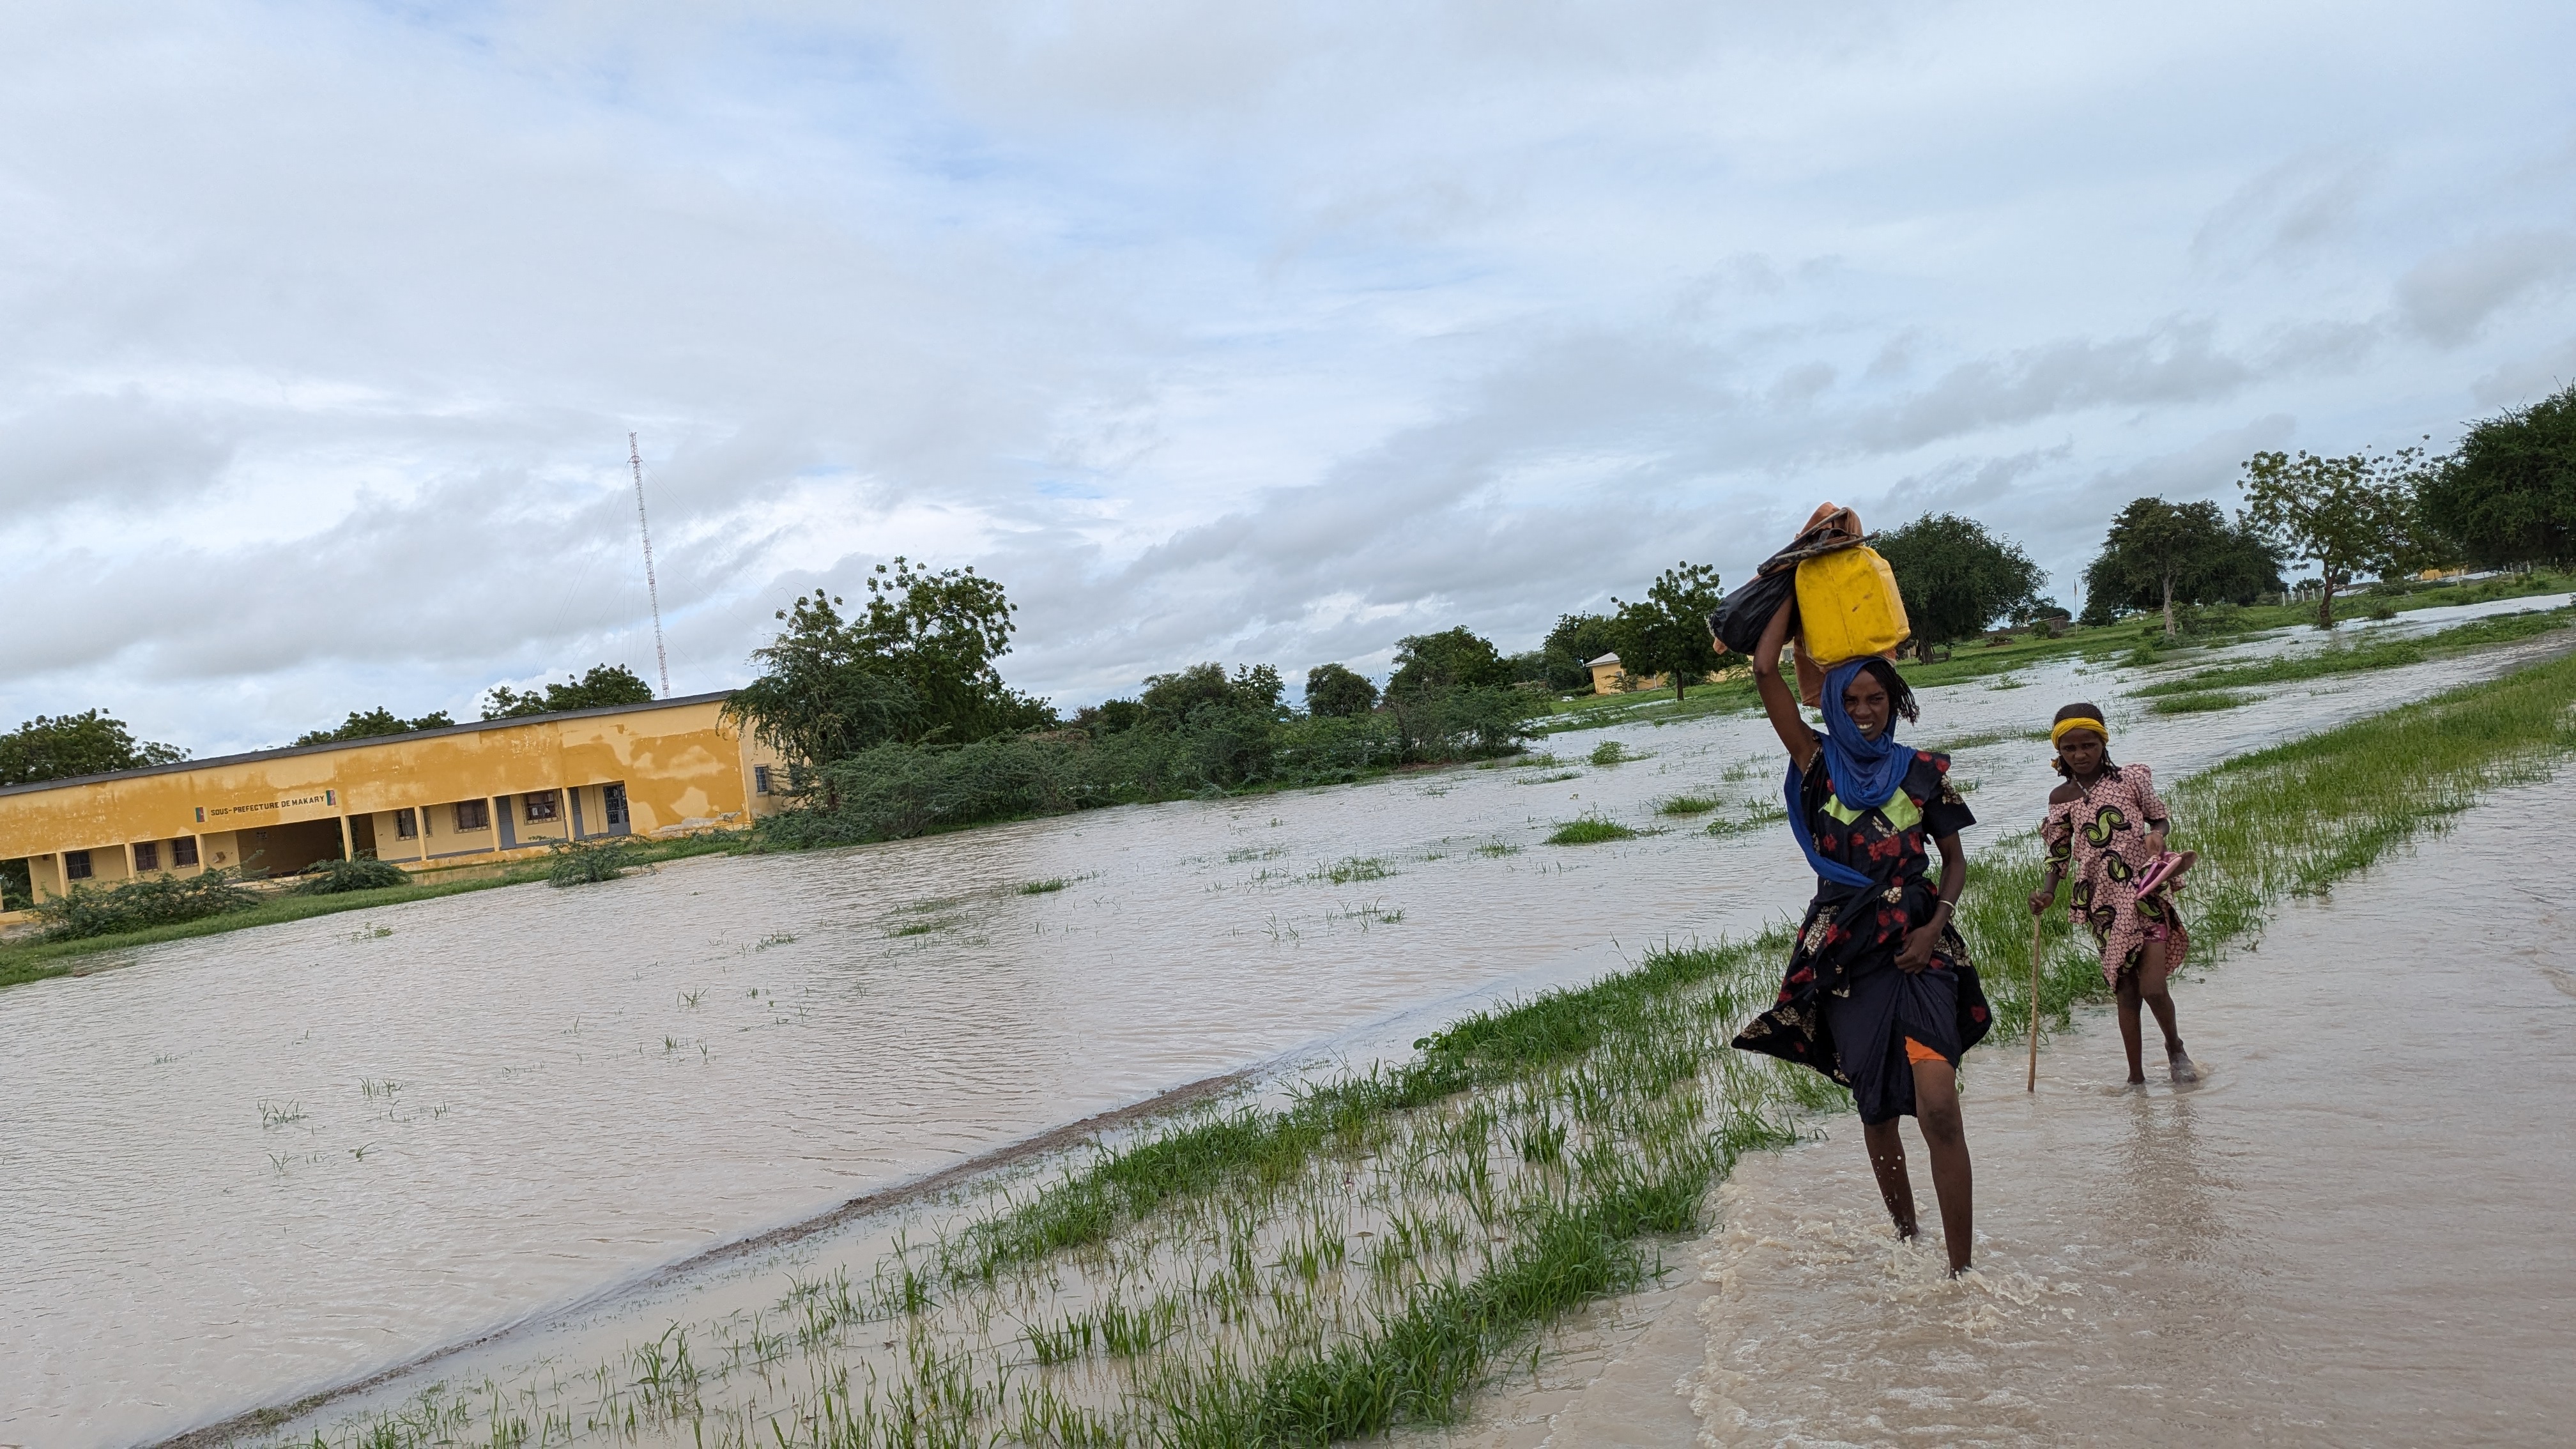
(1880, 994)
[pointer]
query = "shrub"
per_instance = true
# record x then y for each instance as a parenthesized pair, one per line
(581, 862)
(134, 905)
(894, 791)
(334, 877)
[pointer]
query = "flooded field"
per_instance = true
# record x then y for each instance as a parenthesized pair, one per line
(246, 1168)
(2351, 1232)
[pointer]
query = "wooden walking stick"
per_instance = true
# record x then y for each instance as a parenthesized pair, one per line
(2038, 922)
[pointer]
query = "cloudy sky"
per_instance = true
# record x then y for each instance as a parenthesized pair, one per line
(1233, 331)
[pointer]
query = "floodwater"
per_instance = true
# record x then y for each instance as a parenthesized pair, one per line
(2354, 1231)
(251, 1167)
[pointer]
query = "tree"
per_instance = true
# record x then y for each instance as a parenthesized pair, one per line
(1667, 631)
(2508, 493)
(2158, 554)
(602, 686)
(1336, 692)
(379, 722)
(2347, 514)
(64, 747)
(1173, 700)
(1956, 578)
(1451, 659)
(1570, 648)
(916, 665)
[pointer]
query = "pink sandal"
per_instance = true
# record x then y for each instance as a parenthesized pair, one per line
(2165, 869)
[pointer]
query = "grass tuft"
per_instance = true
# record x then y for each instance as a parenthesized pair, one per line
(1687, 805)
(1590, 830)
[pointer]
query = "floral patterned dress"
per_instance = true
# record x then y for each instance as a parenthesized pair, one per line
(2099, 839)
(1844, 1008)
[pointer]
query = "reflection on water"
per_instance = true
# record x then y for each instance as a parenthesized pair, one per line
(2351, 1233)
(251, 1166)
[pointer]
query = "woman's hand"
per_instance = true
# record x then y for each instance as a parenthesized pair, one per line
(1918, 946)
(2041, 900)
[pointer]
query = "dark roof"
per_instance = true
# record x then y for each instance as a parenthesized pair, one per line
(289, 751)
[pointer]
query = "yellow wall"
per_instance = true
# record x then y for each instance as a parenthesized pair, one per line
(682, 770)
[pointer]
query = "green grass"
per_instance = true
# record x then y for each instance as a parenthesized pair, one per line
(2290, 820)
(2367, 655)
(1687, 805)
(1590, 830)
(2202, 703)
(1610, 752)
(1045, 887)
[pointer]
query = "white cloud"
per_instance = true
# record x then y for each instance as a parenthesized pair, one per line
(1261, 331)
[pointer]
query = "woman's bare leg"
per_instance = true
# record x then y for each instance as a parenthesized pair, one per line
(1945, 1138)
(2127, 994)
(1887, 1159)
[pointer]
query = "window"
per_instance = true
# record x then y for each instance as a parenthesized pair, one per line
(147, 856)
(541, 806)
(612, 802)
(473, 815)
(76, 864)
(406, 825)
(760, 779)
(183, 851)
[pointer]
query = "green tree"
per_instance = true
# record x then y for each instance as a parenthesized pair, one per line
(601, 686)
(2508, 493)
(1957, 578)
(2158, 554)
(1573, 644)
(1667, 631)
(65, 747)
(376, 723)
(2349, 515)
(1451, 659)
(1334, 691)
(1175, 699)
(915, 665)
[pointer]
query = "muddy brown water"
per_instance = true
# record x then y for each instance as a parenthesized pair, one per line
(2353, 1231)
(250, 1167)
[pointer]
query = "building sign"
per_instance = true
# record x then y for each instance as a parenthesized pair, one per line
(327, 797)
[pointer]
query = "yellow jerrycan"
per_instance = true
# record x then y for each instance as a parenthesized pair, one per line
(1848, 605)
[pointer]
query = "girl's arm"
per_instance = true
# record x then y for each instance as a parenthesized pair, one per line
(2059, 838)
(1919, 942)
(1778, 701)
(2154, 805)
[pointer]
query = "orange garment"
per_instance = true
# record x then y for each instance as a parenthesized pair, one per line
(1916, 1054)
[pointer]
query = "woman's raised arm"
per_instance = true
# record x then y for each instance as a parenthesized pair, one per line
(1778, 700)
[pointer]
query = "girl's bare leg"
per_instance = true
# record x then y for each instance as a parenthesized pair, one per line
(1887, 1159)
(2151, 990)
(1945, 1138)
(2127, 993)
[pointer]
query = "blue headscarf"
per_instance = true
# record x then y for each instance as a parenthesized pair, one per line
(1865, 772)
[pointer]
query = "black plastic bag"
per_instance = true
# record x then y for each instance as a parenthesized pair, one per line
(1743, 615)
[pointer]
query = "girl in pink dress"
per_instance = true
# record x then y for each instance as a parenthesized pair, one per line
(2106, 827)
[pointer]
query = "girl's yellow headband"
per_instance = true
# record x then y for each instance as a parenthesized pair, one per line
(2078, 723)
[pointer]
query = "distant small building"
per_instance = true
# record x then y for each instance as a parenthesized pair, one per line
(1609, 676)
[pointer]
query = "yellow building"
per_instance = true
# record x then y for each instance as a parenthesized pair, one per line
(1609, 676)
(471, 793)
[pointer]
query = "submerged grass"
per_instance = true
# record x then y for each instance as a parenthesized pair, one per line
(28, 960)
(1687, 805)
(1590, 830)
(2369, 654)
(2202, 703)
